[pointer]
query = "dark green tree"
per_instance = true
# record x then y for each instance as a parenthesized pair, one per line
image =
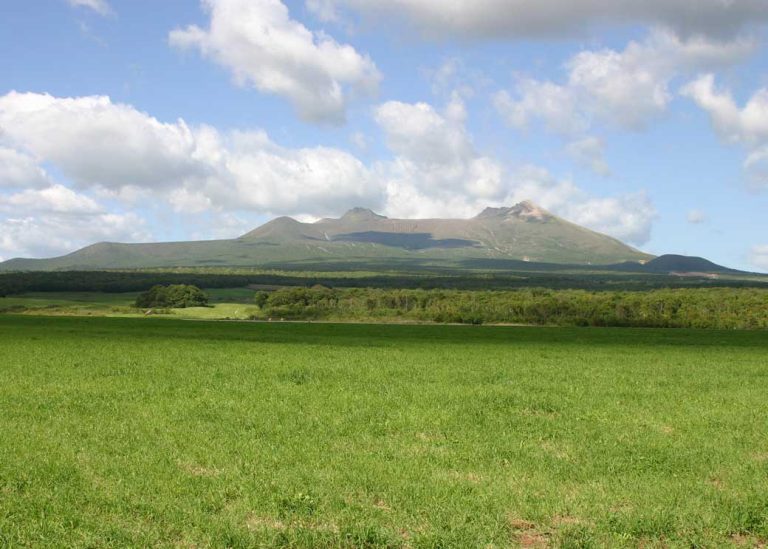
(177, 296)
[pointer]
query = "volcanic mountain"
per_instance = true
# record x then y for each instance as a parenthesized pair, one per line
(524, 232)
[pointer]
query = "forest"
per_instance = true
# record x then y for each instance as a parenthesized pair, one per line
(121, 281)
(722, 308)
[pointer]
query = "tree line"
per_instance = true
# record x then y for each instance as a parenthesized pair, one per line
(720, 308)
(136, 281)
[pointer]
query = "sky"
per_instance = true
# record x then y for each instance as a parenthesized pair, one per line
(139, 120)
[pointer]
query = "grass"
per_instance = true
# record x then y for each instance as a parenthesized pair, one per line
(146, 432)
(218, 311)
(225, 303)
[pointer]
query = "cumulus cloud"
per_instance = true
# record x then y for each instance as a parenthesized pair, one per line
(101, 7)
(759, 256)
(96, 142)
(435, 154)
(436, 171)
(747, 125)
(556, 105)
(625, 89)
(517, 19)
(56, 199)
(20, 170)
(628, 217)
(39, 217)
(263, 176)
(418, 132)
(263, 47)
(128, 155)
(29, 235)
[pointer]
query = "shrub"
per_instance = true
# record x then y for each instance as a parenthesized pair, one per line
(178, 296)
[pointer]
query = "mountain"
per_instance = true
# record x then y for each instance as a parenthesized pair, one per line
(684, 264)
(676, 264)
(524, 232)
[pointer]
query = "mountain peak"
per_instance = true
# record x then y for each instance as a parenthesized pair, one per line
(361, 214)
(525, 210)
(278, 226)
(528, 210)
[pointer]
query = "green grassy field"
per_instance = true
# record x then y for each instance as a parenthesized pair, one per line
(146, 432)
(225, 303)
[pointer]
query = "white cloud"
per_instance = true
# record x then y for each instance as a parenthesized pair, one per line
(263, 176)
(436, 172)
(263, 47)
(696, 217)
(30, 235)
(746, 125)
(189, 201)
(101, 7)
(556, 105)
(44, 218)
(627, 217)
(434, 152)
(226, 225)
(20, 170)
(418, 132)
(96, 142)
(759, 256)
(55, 199)
(516, 19)
(626, 89)
(590, 152)
(620, 88)
(128, 155)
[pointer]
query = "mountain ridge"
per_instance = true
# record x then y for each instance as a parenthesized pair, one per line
(522, 232)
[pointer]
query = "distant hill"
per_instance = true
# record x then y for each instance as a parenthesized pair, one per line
(524, 232)
(684, 264)
(676, 264)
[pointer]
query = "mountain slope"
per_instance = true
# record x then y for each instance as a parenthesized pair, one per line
(684, 264)
(522, 232)
(675, 264)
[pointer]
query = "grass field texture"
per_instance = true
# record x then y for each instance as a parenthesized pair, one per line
(225, 303)
(146, 432)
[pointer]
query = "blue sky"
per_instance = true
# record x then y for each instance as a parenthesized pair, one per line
(144, 120)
